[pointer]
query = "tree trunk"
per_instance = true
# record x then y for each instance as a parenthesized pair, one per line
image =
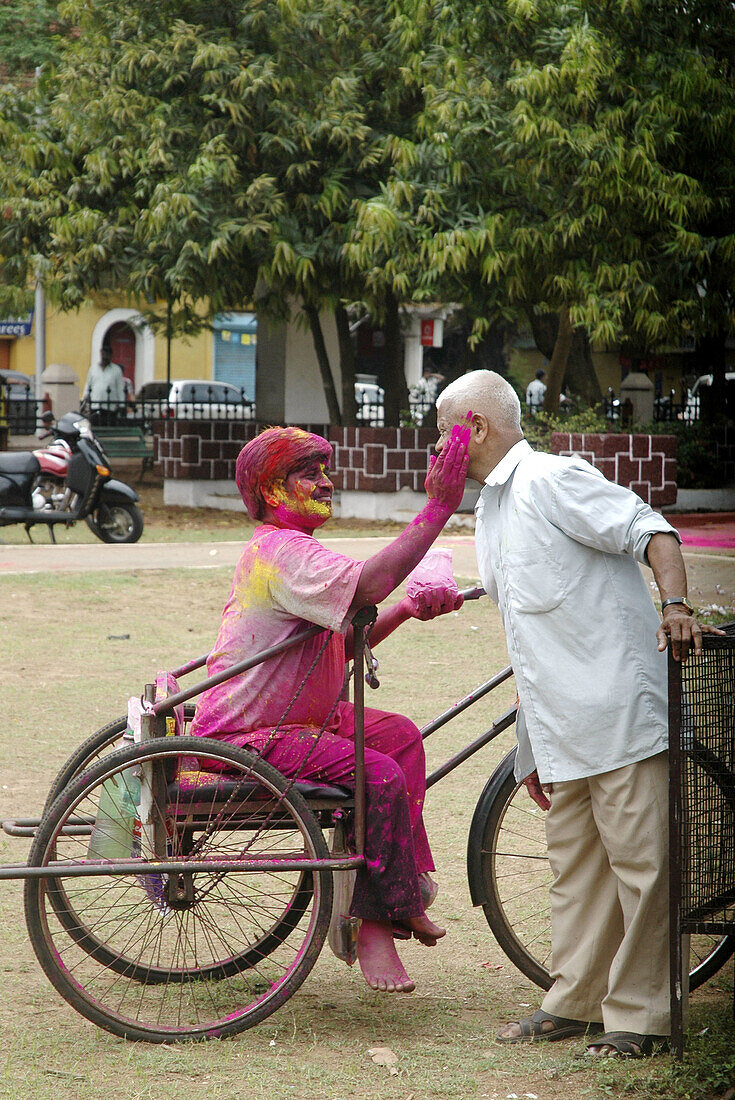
(580, 376)
(711, 358)
(581, 379)
(558, 362)
(395, 385)
(347, 365)
(317, 335)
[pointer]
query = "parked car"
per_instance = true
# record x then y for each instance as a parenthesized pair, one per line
(370, 399)
(21, 398)
(149, 403)
(692, 408)
(197, 399)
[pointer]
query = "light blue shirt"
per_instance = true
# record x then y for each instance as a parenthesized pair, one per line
(558, 547)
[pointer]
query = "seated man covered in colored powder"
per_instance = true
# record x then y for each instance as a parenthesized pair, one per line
(285, 580)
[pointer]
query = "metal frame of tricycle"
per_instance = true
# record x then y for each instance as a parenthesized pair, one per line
(153, 726)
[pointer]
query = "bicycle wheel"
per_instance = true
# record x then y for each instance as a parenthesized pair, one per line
(98, 744)
(197, 955)
(285, 918)
(510, 876)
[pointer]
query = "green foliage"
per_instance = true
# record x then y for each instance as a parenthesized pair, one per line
(30, 35)
(707, 1072)
(697, 463)
(538, 429)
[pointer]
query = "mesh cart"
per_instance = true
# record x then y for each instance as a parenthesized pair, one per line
(702, 806)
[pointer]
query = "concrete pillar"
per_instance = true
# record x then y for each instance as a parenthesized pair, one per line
(413, 353)
(638, 389)
(61, 383)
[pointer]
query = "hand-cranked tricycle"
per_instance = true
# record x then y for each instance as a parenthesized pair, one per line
(179, 888)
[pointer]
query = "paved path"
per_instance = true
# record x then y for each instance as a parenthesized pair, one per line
(94, 557)
(711, 570)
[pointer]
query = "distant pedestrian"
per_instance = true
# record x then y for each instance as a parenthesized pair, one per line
(104, 390)
(536, 392)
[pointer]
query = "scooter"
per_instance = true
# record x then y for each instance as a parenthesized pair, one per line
(65, 482)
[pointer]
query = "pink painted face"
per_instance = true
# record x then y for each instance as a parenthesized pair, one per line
(304, 499)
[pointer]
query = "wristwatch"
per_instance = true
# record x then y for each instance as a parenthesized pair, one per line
(678, 599)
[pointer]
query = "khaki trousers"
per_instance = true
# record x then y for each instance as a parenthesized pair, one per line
(608, 847)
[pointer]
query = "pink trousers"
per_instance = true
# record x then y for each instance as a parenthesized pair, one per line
(396, 845)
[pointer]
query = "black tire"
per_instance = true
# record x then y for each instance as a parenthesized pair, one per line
(222, 960)
(98, 744)
(116, 522)
(509, 875)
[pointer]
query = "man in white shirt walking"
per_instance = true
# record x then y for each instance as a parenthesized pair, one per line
(536, 392)
(558, 548)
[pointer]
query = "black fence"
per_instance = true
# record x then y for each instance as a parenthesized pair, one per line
(191, 401)
(702, 803)
(20, 410)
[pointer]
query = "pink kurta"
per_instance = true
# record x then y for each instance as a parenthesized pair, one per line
(284, 581)
(282, 578)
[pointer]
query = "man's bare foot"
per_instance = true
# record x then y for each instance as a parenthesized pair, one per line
(376, 953)
(424, 930)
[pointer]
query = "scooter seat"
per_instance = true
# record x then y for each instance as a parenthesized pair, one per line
(20, 463)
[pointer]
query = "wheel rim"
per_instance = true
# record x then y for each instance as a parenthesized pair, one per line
(520, 878)
(115, 521)
(230, 956)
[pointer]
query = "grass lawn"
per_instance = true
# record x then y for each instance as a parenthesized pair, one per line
(75, 648)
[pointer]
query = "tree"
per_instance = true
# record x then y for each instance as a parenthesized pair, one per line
(560, 125)
(30, 34)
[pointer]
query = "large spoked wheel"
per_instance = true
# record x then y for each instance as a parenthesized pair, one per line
(510, 876)
(191, 955)
(98, 744)
(116, 522)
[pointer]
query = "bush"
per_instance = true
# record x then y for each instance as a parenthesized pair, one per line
(698, 464)
(538, 429)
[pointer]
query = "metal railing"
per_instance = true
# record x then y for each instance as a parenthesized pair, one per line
(20, 409)
(205, 404)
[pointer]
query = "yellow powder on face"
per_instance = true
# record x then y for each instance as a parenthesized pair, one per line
(300, 501)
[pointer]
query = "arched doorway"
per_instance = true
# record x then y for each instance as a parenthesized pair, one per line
(134, 347)
(121, 339)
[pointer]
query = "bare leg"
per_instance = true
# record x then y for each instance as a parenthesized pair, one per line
(381, 967)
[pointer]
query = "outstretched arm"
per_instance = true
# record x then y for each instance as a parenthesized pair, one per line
(426, 606)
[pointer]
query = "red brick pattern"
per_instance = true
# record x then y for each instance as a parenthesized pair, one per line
(385, 460)
(644, 463)
(381, 460)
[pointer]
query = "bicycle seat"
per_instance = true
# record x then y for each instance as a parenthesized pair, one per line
(192, 786)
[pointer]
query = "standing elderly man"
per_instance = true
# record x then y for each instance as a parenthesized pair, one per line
(558, 548)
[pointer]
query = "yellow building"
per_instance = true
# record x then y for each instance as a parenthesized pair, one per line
(226, 352)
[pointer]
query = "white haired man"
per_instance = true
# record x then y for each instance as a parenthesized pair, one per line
(558, 548)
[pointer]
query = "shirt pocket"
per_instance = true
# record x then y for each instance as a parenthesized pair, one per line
(535, 579)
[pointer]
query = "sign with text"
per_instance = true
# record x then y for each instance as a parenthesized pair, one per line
(432, 333)
(16, 326)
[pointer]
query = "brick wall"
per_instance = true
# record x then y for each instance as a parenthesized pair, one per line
(644, 463)
(386, 460)
(380, 460)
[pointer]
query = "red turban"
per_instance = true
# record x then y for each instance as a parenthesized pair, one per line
(271, 457)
